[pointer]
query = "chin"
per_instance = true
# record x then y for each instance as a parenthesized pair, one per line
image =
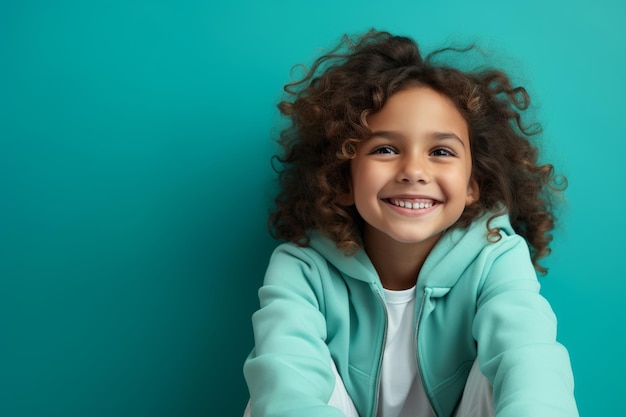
(416, 238)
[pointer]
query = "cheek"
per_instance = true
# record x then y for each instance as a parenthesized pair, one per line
(361, 176)
(365, 188)
(456, 182)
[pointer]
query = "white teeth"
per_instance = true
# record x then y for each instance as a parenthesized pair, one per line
(410, 205)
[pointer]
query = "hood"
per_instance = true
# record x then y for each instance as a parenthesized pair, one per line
(452, 254)
(358, 266)
(457, 249)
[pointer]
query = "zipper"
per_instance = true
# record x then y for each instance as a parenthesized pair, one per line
(417, 356)
(380, 360)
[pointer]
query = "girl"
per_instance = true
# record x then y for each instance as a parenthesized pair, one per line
(416, 214)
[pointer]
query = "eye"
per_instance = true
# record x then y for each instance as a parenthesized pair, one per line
(384, 150)
(443, 152)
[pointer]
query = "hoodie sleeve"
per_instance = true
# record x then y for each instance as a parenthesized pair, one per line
(289, 371)
(515, 330)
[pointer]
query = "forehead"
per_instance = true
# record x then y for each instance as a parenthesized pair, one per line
(419, 109)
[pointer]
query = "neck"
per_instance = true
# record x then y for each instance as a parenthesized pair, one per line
(398, 264)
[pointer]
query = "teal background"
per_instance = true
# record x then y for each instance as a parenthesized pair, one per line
(134, 183)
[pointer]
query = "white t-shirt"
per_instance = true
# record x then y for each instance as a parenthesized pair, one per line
(401, 391)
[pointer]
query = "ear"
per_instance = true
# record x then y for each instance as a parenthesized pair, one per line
(473, 192)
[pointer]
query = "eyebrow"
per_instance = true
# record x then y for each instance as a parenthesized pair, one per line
(447, 135)
(390, 134)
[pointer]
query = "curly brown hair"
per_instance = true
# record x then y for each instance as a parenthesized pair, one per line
(327, 109)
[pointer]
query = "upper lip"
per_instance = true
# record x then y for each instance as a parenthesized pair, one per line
(411, 198)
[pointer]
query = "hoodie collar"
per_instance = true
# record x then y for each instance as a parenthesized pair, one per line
(445, 264)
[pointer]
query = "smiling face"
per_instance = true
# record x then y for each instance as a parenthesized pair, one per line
(411, 180)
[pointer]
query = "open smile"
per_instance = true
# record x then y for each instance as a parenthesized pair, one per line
(412, 203)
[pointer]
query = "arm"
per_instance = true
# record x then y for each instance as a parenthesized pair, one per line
(515, 329)
(289, 371)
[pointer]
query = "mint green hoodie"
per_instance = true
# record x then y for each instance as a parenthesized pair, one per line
(475, 299)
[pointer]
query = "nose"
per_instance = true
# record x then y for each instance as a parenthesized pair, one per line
(414, 169)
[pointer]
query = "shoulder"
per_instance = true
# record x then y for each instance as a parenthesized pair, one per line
(318, 253)
(505, 264)
(323, 256)
(294, 265)
(471, 253)
(504, 252)
(290, 261)
(461, 247)
(489, 235)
